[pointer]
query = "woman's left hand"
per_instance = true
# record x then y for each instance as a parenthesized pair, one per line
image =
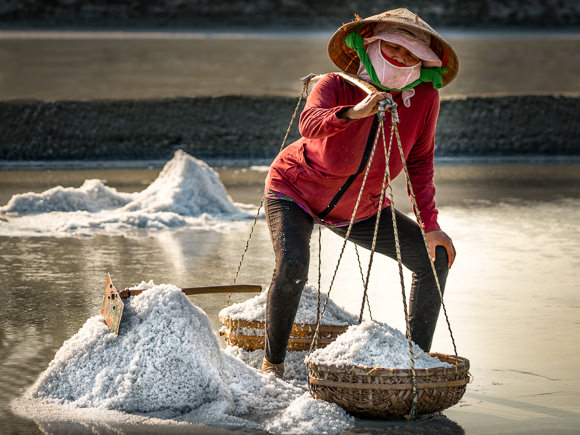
(367, 107)
(440, 238)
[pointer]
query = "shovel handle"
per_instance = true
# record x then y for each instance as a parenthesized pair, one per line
(234, 288)
(358, 82)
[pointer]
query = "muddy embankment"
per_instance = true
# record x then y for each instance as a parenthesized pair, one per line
(253, 128)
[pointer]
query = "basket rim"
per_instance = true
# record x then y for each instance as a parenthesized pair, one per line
(308, 340)
(376, 386)
(228, 322)
(462, 365)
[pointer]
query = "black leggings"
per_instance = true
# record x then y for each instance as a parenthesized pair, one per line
(291, 227)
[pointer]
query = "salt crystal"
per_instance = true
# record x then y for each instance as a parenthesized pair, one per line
(294, 366)
(373, 344)
(255, 310)
(304, 416)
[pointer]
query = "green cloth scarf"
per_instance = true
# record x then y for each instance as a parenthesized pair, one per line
(356, 42)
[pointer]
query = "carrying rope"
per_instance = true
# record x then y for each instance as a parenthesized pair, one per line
(381, 116)
(319, 271)
(304, 93)
(386, 183)
(420, 222)
(314, 342)
(414, 396)
(362, 275)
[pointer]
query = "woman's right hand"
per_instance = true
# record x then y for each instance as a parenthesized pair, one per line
(367, 107)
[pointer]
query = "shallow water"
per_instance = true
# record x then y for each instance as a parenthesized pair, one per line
(140, 65)
(512, 295)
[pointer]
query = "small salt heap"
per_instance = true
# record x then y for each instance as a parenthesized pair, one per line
(304, 415)
(373, 344)
(93, 196)
(255, 310)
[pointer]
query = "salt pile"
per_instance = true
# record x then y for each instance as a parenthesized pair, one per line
(304, 414)
(166, 363)
(373, 344)
(186, 186)
(92, 196)
(186, 192)
(255, 310)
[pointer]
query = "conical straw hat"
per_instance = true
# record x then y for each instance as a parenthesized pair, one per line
(347, 60)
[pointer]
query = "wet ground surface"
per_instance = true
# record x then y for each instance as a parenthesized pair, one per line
(511, 295)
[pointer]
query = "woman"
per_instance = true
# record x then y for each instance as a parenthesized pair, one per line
(317, 179)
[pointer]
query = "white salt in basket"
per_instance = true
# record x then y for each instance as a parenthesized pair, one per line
(385, 392)
(249, 335)
(337, 375)
(244, 324)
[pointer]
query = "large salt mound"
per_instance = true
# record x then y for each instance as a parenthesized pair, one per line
(373, 344)
(255, 310)
(166, 362)
(92, 196)
(186, 186)
(165, 357)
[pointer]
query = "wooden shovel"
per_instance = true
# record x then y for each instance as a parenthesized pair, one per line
(112, 305)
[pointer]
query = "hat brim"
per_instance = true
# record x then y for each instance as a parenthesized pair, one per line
(347, 60)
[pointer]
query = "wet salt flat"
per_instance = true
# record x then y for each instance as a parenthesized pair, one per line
(140, 65)
(511, 295)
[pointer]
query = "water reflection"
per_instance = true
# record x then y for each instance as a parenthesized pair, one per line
(90, 428)
(435, 425)
(426, 425)
(69, 68)
(78, 428)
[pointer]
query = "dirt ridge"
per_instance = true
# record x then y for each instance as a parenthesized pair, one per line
(244, 127)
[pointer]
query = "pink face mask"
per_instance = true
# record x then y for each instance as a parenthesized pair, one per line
(391, 76)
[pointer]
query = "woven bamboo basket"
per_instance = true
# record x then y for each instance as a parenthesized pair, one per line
(235, 332)
(382, 392)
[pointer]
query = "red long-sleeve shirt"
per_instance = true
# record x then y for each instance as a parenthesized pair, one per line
(312, 170)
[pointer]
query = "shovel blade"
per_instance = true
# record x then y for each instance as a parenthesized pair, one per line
(112, 307)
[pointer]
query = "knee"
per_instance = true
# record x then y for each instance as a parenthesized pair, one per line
(424, 266)
(295, 272)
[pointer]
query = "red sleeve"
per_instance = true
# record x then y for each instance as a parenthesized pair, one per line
(318, 119)
(420, 165)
